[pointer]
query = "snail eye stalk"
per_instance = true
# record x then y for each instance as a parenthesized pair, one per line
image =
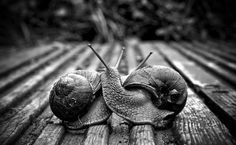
(144, 61)
(99, 57)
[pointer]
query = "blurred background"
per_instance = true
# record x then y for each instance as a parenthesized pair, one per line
(29, 22)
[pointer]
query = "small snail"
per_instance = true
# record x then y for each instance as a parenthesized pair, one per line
(150, 95)
(72, 93)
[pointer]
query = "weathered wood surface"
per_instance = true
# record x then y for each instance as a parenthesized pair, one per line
(208, 117)
(219, 96)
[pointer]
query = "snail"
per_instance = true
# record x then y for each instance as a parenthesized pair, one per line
(149, 95)
(76, 98)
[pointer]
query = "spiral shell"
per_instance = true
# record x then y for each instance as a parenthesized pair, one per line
(73, 93)
(168, 87)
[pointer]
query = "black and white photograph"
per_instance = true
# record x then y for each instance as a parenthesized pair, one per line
(123, 72)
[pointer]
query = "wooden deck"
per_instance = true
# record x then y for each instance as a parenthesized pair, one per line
(209, 117)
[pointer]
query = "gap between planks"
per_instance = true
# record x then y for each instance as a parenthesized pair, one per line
(28, 70)
(9, 64)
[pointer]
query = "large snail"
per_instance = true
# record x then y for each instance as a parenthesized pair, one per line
(150, 95)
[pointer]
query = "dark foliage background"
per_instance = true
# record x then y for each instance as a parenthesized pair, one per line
(27, 22)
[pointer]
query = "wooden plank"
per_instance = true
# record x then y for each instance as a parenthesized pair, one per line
(120, 131)
(198, 125)
(12, 127)
(29, 85)
(142, 135)
(37, 125)
(9, 64)
(27, 70)
(215, 69)
(216, 51)
(131, 59)
(97, 135)
(52, 134)
(211, 57)
(73, 139)
(221, 98)
(221, 46)
(115, 53)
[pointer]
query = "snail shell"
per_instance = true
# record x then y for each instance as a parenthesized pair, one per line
(73, 93)
(168, 88)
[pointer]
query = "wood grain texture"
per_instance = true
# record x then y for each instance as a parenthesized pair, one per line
(222, 46)
(211, 57)
(197, 125)
(52, 134)
(36, 127)
(142, 135)
(29, 85)
(214, 68)
(13, 124)
(97, 135)
(218, 52)
(120, 131)
(26, 71)
(221, 98)
(77, 62)
(9, 64)
(201, 116)
(30, 120)
(73, 139)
